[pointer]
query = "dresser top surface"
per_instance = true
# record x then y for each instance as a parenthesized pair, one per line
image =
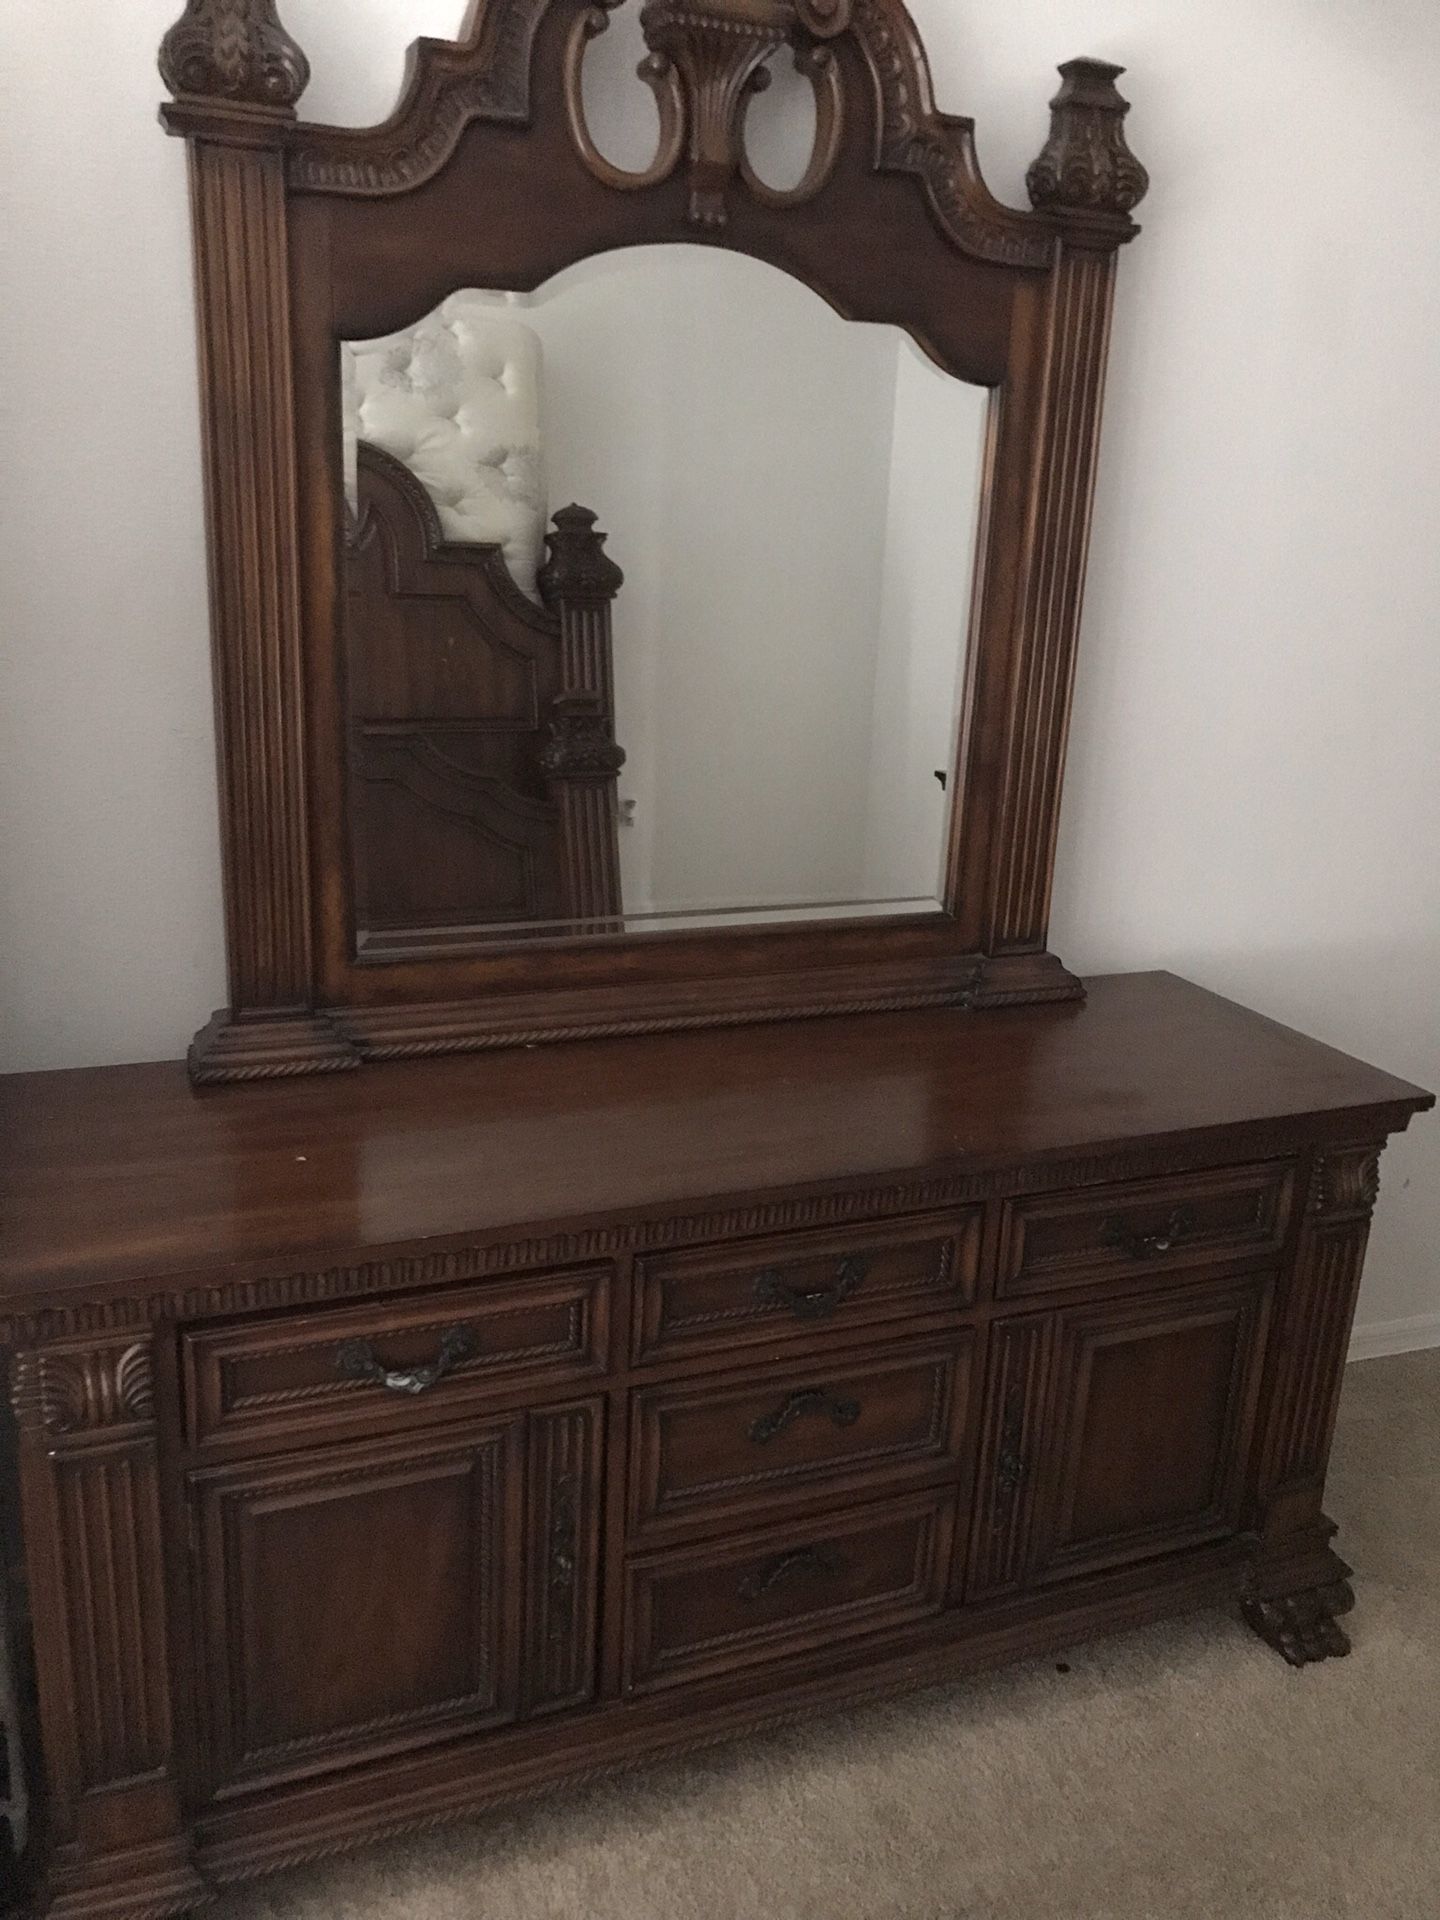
(122, 1173)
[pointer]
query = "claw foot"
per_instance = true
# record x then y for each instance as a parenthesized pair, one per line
(1303, 1626)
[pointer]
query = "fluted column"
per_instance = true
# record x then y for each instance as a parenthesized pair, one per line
(1299, 1583)
(237, 75)
(90, 1499)
(1086, 182)
(581, 758)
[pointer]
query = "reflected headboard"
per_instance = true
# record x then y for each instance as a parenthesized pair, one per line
(481, 754)
(456, 398)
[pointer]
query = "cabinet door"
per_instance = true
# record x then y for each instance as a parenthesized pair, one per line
(1149, 1427)
(1114, 1432)
(371, 1597)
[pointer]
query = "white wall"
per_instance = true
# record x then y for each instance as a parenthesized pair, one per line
(1252, 790)
(932, 516)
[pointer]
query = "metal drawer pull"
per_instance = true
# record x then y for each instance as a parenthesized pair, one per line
(791, 1566)
(356, 1360)
(815, 1303)
(809, 1400)
(1144, 1246)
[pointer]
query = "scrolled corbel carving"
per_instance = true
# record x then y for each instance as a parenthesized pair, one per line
(235, 51)
(66, 1393)
(663, 81)
(1085, 173)
(1345, 1183)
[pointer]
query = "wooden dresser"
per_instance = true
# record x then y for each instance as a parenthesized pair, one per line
(656, 1240)
(390, 1444)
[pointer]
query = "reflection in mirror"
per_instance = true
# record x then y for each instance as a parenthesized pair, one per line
(759, 724)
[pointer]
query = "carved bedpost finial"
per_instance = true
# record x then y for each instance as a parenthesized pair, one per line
(1086, 173)
(581, 745)
(235, 52)
(578, 569)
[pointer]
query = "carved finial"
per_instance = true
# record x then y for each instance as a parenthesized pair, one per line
(233, 51)
(578, 567)
(1086, 170)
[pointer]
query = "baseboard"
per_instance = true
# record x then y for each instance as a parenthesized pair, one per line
(1395, 1336)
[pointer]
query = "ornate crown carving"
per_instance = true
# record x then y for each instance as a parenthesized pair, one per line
(707, 60)
(234, 51)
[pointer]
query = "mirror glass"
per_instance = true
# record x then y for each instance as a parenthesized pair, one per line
(792, 501)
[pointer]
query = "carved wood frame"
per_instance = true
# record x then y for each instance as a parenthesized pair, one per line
(303, 231)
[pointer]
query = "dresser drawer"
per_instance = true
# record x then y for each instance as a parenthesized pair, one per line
(861, 1421)
(733, 1604)
(806, 1285)
(1057, 1241)
(394, 1361)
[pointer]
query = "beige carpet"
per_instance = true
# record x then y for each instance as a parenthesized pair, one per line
(1175, 1773)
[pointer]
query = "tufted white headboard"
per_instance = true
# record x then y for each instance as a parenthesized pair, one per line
(456, 397)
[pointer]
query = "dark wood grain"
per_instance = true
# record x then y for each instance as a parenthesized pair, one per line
(391, 1445)
(479, 730)
(484, 177)
(176, 1182)
(888, 1471)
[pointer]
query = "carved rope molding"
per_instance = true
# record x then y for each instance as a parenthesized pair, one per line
(235, 51)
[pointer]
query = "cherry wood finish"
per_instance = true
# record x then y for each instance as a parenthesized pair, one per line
(720, 1609)
(486, 175)
(390, 1445)
(699, 1446)
(386, 1446)
(237, 1377)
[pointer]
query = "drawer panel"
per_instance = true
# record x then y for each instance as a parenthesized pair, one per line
(700, 1447)
(395, 1360)
(737, 1603)
(1056, 1241)
(806, 1284)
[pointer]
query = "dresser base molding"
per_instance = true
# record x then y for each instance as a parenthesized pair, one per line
(299, 1825)
(308, 1823)
(143, 1883)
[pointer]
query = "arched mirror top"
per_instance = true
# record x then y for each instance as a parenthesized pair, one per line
(518, 65)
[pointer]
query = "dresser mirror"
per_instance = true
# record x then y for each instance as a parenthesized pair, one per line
(649, 478)
(786, 495)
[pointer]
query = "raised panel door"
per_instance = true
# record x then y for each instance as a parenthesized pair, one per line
(1149, 1425)
(367, 1598)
